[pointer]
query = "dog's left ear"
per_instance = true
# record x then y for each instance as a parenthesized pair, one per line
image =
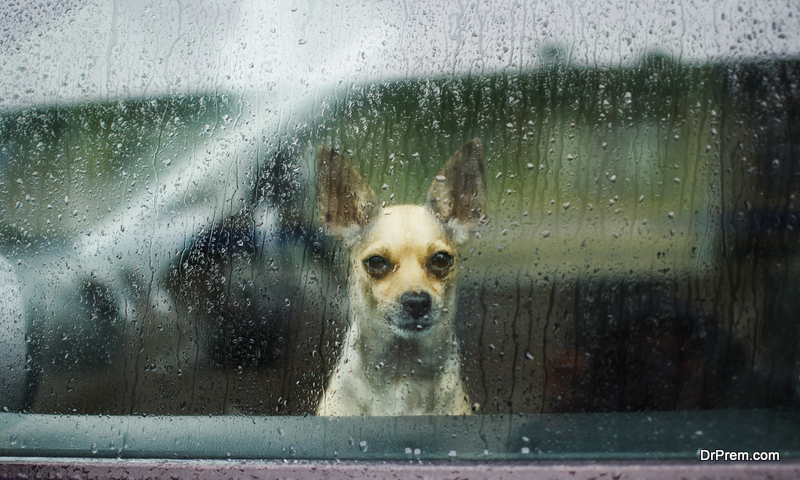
(458, 191)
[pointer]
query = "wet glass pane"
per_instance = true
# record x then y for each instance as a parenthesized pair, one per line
(169, 245)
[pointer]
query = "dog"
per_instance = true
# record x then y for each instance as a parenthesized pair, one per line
(400, 355)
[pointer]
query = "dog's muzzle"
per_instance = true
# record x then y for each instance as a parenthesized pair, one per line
(417, 311)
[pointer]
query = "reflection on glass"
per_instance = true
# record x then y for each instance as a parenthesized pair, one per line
(640, 253)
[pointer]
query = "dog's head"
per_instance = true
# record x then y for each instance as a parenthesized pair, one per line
(403, 269)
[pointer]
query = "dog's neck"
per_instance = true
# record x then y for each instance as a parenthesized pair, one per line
(422, 357)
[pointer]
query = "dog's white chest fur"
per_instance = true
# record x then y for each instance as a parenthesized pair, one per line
(403, 385)
(400, 355)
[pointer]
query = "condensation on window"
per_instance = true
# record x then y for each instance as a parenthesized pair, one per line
(161, 252)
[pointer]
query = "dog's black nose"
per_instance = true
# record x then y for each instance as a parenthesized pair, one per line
(417, 304)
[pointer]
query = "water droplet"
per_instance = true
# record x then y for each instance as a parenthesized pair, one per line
(628, 98)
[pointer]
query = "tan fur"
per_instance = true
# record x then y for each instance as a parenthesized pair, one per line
(394, 363)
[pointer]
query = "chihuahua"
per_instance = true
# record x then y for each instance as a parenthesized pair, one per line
(400, 355)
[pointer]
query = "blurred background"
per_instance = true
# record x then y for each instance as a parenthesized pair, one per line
(159, 249)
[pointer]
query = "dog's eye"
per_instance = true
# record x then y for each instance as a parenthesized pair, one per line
(377, 265)
(440, 262)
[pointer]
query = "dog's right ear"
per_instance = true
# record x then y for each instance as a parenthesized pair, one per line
(457, 194)
(345, 201)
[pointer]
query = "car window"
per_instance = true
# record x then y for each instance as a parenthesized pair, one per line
(612, 257)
